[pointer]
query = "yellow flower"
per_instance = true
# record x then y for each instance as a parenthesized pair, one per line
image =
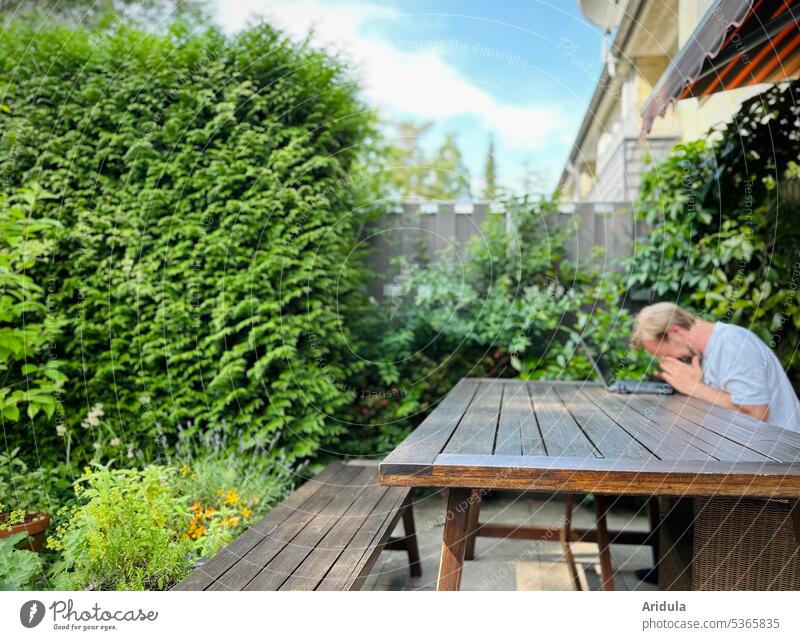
(195, 531)
(232, 497)
(184, 470)
(246, 513)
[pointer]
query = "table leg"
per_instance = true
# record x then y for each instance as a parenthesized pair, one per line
(472, 523)
(411, 539)
(454, 540)
(564, 537)
(655, 519)
(603, 543)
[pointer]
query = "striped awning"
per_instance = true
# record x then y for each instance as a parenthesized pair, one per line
(737, 43)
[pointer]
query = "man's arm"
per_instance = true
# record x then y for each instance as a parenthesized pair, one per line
(688, 379)
(723, 399)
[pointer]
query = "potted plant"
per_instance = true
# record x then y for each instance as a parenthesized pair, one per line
(18, 521)
(27, 492)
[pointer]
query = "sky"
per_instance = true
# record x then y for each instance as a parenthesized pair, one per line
(522, 71)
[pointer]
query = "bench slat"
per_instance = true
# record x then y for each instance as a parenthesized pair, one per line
(205, 576)
(278, 570)
(313, 569)
(251, 563)
(370, 553)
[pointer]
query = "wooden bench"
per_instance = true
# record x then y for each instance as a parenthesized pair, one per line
(327, 535)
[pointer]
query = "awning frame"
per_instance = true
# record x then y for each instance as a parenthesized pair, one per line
(774, 26)
(705, 42)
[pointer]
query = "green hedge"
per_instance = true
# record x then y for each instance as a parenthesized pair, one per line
(203, 260)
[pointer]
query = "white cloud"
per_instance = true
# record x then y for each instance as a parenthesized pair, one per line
(404, 81)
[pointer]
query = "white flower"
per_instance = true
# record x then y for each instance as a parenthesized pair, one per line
(96, 446)
(61, 430)
(115, 442)
(93, 417)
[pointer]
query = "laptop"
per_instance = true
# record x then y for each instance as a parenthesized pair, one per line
(604, 373)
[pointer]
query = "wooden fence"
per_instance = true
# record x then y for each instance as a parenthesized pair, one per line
(420, 232)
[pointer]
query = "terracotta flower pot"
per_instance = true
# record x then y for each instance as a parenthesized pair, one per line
(35, 524)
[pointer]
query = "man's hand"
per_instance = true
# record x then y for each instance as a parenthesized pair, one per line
(684, 378)
(688, 379)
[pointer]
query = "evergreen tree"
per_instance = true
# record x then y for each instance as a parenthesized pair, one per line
(490, 173)
(449, 176)
(408, 171)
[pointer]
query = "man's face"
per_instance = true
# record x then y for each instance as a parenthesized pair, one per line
(674, 345)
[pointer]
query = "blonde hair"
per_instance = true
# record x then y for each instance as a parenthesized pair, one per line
(653, 322)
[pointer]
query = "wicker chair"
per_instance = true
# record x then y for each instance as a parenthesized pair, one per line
(725, 544)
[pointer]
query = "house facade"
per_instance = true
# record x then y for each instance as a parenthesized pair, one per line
(608, 158)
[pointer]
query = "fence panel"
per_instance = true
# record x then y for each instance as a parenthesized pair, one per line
(420, 232)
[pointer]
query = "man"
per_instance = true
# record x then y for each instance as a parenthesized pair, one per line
(721, 363)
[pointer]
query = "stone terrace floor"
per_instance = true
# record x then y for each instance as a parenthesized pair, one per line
(515, 565)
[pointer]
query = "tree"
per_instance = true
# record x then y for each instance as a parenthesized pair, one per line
(449, 177)
(405, 166)
(90, 12)
(490, 177)
(407, 171)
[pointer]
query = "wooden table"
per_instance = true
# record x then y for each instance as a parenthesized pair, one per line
(579, 438)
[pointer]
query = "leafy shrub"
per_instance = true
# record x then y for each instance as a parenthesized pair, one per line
(32, 490)
(667, 260)
(126, 533)
(30, 378)
(725, 236)
(19, 568)
(203, 261)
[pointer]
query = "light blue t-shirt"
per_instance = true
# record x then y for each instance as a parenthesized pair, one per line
(736, 360)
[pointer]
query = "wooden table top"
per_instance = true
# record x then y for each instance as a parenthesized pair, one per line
(578, 437)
